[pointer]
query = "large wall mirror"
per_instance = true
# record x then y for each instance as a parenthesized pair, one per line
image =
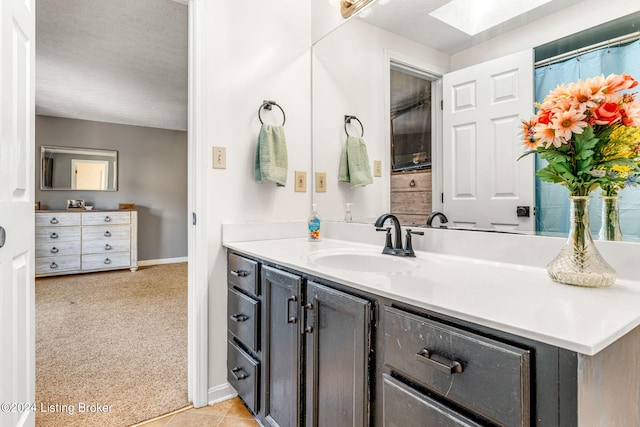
(352, 68)
(68, 168)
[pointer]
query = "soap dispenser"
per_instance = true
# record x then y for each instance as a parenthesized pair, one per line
(314, 224)
(347, 213)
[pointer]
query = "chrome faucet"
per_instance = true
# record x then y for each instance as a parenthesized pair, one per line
(443, 219)
(396, 249)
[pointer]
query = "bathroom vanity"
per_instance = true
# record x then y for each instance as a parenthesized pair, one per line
(435, 340)
(69, 242)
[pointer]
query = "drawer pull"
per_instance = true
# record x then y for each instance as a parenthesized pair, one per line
(108, 247)
(240, 377)
(54, 250)
(107, 234)
(412, 183)
(53, 266)
(308, 329)
(107, 219)
(53, 235)
(54, 220)
(239, 317)
(290, 318)
(239, 273)
(107, 261)
(441, 363)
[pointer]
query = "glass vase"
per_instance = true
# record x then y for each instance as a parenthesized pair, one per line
(610, 228)
(579, 262)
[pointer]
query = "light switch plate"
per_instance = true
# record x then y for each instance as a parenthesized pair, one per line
(219, 157)
(301, 181)
(321, 182)
(377, 168)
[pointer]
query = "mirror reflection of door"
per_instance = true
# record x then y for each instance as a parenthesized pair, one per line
(89, 174)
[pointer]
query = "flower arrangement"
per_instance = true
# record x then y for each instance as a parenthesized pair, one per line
(589, 133)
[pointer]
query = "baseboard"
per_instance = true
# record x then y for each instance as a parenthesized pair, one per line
(147, 262)
(221, 393)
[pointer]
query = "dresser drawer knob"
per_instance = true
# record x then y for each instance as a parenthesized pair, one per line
(238, 374)
(54, 220)
(239, 273)
(107, 219)
(54, 250)
(239, 317)
(412, 183)
(108, 247)
(53, 235)
(107, 261)
(107, 234)
(53, 266)
(438, 362)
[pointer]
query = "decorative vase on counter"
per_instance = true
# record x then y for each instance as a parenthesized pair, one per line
(610, 228)
(579, 262)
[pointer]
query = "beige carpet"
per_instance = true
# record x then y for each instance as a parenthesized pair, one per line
(115, 339)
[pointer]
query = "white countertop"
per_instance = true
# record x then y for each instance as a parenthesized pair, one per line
(517, 299)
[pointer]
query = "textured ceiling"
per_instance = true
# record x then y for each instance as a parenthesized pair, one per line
(117, 61)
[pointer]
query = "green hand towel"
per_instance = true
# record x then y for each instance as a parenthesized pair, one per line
(271, 162)
(354, 164)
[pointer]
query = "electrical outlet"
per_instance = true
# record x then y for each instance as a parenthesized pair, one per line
(219, 157)
(321, 182)
(301, 182)
(377, 168)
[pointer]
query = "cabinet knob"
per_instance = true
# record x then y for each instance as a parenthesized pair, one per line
(54, 220)
(53, 235)
(53, 266)
(107, 247)
(412, 183)
(308, 329)
(107, 219)
(107, 261)
(54, 250)
(107, 234)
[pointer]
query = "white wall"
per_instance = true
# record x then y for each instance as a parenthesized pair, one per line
(350, 76)
(574, 19)
(256, 51)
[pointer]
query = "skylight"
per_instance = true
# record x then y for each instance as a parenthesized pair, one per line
(475, 16)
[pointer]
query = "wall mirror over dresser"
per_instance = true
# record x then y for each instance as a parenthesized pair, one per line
(69, 168)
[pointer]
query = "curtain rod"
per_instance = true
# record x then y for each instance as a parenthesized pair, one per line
(572, 54)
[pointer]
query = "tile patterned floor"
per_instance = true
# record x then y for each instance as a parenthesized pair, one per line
(230, 413)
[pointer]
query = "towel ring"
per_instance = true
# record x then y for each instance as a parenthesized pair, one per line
(347, 120)
(267, 106)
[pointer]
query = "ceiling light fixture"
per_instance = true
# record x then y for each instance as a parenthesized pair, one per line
(473, 16)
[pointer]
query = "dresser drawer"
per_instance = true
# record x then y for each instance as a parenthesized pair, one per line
(404, 406)
(57, 234)
(57, 219)
(243, 374)
(96, 218)
(109, 232)
(56, 249)
(105, 246)
(112, 260)
(243, 273)
(486, 376)
(244, 314)
(51, 265)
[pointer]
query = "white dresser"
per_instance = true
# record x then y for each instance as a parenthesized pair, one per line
(70, 242)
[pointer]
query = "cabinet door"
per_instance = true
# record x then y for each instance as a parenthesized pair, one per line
(337, 349)
(282, 348)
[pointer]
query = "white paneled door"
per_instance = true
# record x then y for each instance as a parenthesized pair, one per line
(483, 182)
(17, 114)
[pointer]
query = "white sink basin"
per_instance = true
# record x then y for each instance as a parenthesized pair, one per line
(369, 262)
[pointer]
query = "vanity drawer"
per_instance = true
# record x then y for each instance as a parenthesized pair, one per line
(110, 232)
(96, 218)
(243, 273)
(406, 407)
(105, 245)
(51, 265)
(56, 249)
(57, 219)
(244, 313)
(57, 234)
(243, 372)
(99, 261)
(488, 377)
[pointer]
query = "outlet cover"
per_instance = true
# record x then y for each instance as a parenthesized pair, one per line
(301, 182)
(321, 182)
(377, 168)
(219, 157)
